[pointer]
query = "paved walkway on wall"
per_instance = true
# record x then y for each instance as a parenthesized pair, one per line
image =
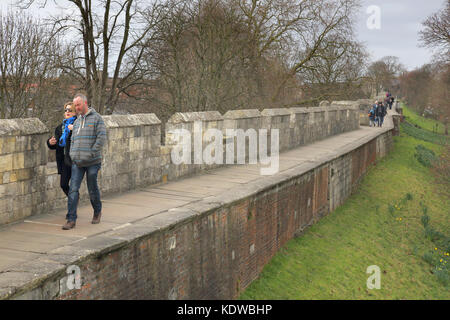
(37, 235)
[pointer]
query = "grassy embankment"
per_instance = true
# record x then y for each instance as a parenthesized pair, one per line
(424, 123)
(381, 224)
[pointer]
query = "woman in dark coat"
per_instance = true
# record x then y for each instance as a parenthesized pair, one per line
(61, 143)
(380, 113)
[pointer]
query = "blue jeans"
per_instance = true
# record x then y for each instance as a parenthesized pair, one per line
(381, 120)
(75, 183)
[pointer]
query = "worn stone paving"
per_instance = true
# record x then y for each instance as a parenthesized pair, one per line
(34, 237)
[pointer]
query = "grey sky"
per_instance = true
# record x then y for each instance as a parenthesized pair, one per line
(37, 11)
(401, 21)
(398, 36)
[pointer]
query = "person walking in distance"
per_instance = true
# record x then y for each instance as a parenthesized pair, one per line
(381, 112)
(88, 138)
(371, 114)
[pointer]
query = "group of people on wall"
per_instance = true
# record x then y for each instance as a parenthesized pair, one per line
(78, 142)
(379, 110)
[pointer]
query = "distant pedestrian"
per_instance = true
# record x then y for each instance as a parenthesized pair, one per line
(387, 101)
(372, 113)
(380, 113)
(88, 138)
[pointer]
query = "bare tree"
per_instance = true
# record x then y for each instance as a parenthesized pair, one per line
(384, 71)
(107, 44)
(440, 94)
(415, 87)
(29, 80)
(436, 33)
(337, 72)
(301, 28)
(226, 54)
(200, 58)
(202, 54)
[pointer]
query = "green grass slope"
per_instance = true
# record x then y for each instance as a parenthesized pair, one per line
(427, 124)
(380, 224)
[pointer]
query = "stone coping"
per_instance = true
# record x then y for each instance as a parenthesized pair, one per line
(27, 126)
(180, 117)
(345, 104)
(275, 112)
(130, 120)
(30, 126)
(321, 109)
(242, 114)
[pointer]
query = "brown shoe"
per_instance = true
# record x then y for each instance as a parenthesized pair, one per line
(69, 225)
(96, 218)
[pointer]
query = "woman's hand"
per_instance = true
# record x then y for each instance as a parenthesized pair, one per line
(52, 141)
(70, 126)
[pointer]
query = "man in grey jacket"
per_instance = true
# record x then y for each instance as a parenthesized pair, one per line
(88, 138)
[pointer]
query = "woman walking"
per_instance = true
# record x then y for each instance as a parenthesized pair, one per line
(61, 143)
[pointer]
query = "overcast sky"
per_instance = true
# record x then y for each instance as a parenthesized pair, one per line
(401, 21)
(398, 34)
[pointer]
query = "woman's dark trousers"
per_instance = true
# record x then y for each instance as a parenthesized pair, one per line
(66, 173)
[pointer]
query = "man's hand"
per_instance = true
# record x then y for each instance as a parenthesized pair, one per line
(70, 127)
(52, 141)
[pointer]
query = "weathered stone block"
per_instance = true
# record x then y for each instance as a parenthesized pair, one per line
(6, 162)
(7, 144)
(18, 161)
(5, 177)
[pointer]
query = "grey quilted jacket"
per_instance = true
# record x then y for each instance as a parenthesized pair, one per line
(88, 138)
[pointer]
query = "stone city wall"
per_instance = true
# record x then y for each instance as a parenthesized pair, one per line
(209, 249)
(133, 155)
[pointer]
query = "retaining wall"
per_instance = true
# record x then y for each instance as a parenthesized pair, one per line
(210, 249)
